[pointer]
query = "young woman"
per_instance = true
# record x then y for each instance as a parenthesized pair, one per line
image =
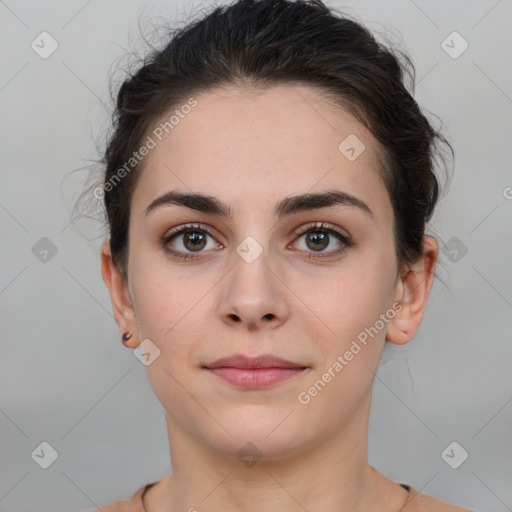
(267, 190)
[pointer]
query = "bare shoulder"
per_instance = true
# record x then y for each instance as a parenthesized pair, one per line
(419, 502)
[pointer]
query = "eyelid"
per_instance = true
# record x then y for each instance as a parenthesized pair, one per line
(343, 238)
(321, 225)
(192, 225)
(213, 232)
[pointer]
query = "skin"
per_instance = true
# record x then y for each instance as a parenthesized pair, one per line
(283, 141)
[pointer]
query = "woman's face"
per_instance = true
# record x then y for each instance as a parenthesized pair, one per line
(263, 279)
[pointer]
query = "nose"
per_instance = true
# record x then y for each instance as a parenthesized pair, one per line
(254, 296)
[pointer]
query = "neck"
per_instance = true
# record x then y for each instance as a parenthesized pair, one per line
(333, 475)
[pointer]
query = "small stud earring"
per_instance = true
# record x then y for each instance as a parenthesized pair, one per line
(126, 336)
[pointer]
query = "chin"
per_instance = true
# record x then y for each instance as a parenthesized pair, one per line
(257, 436)
(249, 450)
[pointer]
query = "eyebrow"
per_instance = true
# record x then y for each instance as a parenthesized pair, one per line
(287, 206)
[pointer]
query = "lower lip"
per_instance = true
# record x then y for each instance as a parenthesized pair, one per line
(255, 378)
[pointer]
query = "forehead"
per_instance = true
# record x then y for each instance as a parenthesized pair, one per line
(251, 147)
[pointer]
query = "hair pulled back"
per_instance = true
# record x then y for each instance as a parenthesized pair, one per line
(270, 42)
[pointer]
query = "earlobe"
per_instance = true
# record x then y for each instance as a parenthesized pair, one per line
(119, 296)
(412, 292)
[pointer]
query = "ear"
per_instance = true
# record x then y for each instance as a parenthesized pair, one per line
(412, 293)
(119, 295)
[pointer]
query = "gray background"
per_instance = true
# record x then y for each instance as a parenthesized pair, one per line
(65, 377)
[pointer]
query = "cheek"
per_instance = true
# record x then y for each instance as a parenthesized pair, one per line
(162, 298)
(349, 305)
(349, 350)
(169, 317)
(354, 296)
(171, 310)
(166, 315)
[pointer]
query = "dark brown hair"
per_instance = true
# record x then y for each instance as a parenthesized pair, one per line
(267, 42)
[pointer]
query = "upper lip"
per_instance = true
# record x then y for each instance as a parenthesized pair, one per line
(262, 361)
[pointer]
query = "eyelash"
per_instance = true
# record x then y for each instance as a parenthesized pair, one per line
(312, 227)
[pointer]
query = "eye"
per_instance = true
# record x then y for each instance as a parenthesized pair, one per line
(319, 236)
(192, 238)
(187, 242)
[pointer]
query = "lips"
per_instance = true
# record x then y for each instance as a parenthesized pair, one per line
(263, 361)
(254, 372)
